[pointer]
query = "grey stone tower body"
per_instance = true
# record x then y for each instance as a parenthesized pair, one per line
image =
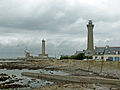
(43, 47)
(43, 55)
(90, 44)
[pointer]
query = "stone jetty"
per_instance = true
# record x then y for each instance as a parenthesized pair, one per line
(76, 79)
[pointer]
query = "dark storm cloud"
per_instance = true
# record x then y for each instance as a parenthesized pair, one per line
(24, 23)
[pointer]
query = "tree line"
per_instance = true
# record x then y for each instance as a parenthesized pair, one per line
(80, 56)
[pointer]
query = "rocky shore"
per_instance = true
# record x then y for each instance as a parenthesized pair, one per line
(78, 86)
(76, 79)
(76, 68)
(7, 81)
(31, 64)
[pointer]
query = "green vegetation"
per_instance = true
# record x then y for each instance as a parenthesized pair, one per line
(80, 56)
(64, 57)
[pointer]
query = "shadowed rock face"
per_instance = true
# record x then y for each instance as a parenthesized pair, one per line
(5, 86)
(4, 77)
(7, 81)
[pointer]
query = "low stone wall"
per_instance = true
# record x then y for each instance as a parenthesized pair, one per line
(76, 79)
(105, 68)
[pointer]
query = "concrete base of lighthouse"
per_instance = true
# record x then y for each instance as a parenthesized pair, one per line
(42, 56)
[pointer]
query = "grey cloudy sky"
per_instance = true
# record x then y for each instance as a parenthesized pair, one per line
(62, 23)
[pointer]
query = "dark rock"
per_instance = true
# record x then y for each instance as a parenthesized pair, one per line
(5, 86)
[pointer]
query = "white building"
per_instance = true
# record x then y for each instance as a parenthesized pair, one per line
(107, 53)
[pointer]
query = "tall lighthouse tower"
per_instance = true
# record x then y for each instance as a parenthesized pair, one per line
(43, 47)
(90, 44)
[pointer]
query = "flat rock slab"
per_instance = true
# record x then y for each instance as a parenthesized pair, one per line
(76, 79)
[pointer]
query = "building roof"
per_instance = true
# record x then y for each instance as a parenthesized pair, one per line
(78, 52)
(106, 50)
